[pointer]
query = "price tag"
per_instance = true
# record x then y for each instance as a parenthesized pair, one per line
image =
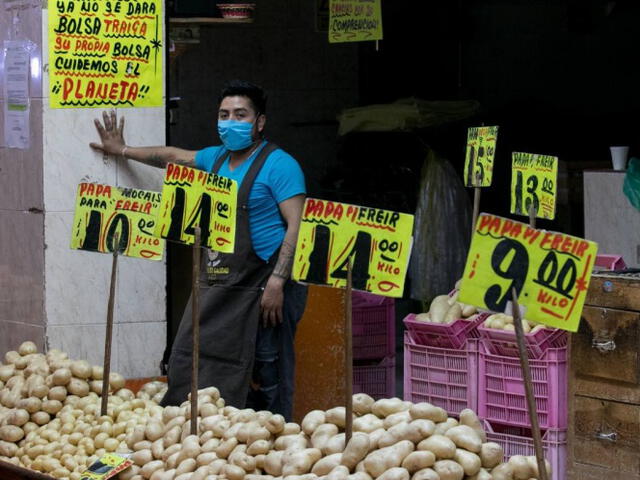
(107, 466)
(550, 271)
(534, 184)
(481, 150)
(379, 241)
(103, 210)
(192, 198)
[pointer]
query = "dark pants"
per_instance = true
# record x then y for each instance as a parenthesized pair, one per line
(274, 367)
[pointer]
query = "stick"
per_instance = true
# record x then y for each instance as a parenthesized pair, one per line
(532, 217)
(531, 401)
(106, 369)
(476, 203)
(348, 357)
(195, 322)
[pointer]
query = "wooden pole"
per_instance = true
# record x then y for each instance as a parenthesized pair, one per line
(528, 385)
(106, 369)
(348, 357)
(195, 322)
(476, 203)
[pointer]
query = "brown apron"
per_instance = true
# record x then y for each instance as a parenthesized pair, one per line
(231, 286)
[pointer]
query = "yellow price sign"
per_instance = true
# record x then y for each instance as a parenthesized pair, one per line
(534, 184)
(550, 271)
(478, 161)
(379, 241)
(192, 198)
(107, 466)
(103, 210)
(354, 21)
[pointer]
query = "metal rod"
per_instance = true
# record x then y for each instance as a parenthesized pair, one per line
(106, 369)
(528, 386)
(348, 356)
(195, 322)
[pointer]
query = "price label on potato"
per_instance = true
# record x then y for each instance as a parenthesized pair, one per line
(192, 198)
(550, 271)
(378, 240)
(107, 466)
(103, 210)
(534, 184)
(481, 150)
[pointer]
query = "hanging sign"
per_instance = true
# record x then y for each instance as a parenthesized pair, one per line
(550, 271)
(534, 184)
(481, 150)
(192, 198)
(354, 21)
(103, 210)
(379, 241)
(105, 53)
(107, 466)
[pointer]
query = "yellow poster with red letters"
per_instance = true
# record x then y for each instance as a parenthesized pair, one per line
(534, 184)
(354, 20)
(194, 198)
(550, 271)
(105, 53)
(379, 242)
(103, 210)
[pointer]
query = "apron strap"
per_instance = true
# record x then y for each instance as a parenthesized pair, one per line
(254, 169)
(219, 161)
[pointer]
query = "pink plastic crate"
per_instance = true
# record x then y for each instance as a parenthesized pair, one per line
(519, 441)
(444, 335)
(503, 342)
(378, 381)
(444, 377)
(373, 326)
(501, 395)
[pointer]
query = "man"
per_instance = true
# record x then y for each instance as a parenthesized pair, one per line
(239, 289)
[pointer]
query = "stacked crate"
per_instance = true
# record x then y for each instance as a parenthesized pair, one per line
(373, 328)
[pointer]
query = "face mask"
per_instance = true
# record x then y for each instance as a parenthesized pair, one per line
(235, 135)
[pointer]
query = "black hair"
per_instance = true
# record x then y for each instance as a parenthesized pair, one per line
(243, 88)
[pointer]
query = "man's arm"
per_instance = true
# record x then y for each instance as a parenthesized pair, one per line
(291, 210)
(112, 143)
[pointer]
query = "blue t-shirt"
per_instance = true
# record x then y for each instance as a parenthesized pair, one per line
(279, 179)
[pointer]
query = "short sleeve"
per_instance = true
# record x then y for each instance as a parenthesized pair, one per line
(285, 177)
(206, 157)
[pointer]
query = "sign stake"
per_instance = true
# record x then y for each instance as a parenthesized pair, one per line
(106, 369)
(195, 320)
(348, 355)
(476, 203)
(526, 374)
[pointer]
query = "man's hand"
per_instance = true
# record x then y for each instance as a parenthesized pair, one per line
(272, 299)
(111, 134)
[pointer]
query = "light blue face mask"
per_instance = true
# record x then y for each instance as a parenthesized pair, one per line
(235, 135)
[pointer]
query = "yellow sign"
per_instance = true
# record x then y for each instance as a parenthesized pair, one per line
(107, 466)
(534, 184)
(105, 53)
(379, 241)
(354, 20)
(550, 271)
(192, 198)
(481, 150)
(103, 210)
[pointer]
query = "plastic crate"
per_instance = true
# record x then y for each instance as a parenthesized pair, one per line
(444, 335)
(519, 441)
(378, 380)
(444, 377)
(503, 342)
(501, 394)
(373, 326)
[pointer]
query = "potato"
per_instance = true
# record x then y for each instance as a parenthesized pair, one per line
(11, 433)
(17, 417)
(395, 473)
(321, 435)
(12, 357)
(442, 447)
(425, 474)
(533, 464)
(470, 462)
(259, 447)
(453, 314)
(335, 444)
(338, 473)
(337, 416)
(276, 424)
(367, 423)
(448, 470)
(61, 377)
(273, 463)
(299, 462)
(423, 317)
(356, 450)
(81, 369)
(491, 454)
(312, 420)
(362, 404)
(379, 461)
(444, 427)
(325, 465)
(40, 418)
(396, 418)
(438, 309)
(52, 406)
(57, 393)
(521, 468)
(148, 469)
(154, 430)
(468, 310)
(142, 457)
(465, 437)
(6, 372)
(469, 418)
(425, 410)
(481, 475)
(418, 460)
(27, 348)
(116, 381)
(386, 406)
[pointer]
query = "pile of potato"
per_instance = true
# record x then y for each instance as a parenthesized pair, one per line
(53, 425)
(502, 321)
(446, 309)
(153, 391)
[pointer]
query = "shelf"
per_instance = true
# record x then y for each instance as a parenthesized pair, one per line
(206, 20)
